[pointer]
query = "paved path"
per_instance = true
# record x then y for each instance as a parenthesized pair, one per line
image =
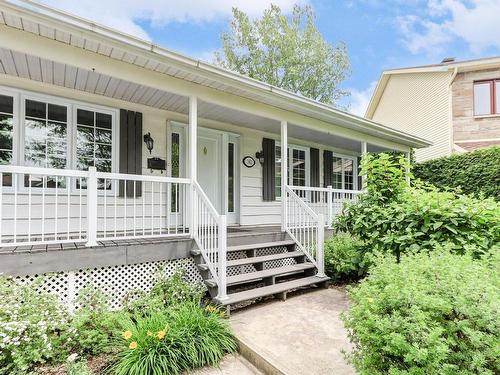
(233, 364)
(303, 335)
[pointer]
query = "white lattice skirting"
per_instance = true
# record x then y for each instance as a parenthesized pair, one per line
(115, 281)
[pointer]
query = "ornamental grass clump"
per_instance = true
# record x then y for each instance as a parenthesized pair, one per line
(429, 313)
(177, 339)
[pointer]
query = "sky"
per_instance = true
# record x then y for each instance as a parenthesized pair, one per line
(379, 34)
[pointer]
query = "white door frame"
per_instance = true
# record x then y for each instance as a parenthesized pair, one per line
(226, 138)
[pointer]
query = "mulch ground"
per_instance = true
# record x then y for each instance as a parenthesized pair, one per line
(97, 365)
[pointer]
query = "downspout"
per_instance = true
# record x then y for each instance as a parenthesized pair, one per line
(450, 83)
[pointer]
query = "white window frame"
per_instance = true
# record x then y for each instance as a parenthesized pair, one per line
(291, 147)
(354, 170)
(20, 97)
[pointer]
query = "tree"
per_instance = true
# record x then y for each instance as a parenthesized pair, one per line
(286, 52)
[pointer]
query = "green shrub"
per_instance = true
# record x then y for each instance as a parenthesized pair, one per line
(182, 337)
(476, 172)
(431, 313)
(78, 368)
(393, 217)
(345, 258)
(34, 327)
(166, 291)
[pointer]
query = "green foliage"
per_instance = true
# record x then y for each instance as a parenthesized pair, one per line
(476, 172)
(394, 218)
(431, 313)
(287, 53)
(179, 338)
(78, 368)
(34, 327)
(166, 291)
(94, 323)
(345, 258)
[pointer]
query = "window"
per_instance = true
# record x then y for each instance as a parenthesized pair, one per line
(6, 134)
(337, 173)
(45, 139)
(348, 174)
(94, 135)
(297, 167)
(486, 97)
(344, 173)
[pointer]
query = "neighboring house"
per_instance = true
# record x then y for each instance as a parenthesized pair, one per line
(118, 156)
(454, 104)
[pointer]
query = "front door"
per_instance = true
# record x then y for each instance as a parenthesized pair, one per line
(209, 165)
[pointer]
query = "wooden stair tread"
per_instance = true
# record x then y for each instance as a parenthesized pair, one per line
(264, 258)
(272, 289)
(253, 276)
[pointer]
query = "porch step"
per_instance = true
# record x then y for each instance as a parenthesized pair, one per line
(264, 258)
(259, 275)
(257, 246)
(272, 289)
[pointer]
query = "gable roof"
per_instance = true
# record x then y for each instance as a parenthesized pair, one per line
(67, 28)
(453, 67)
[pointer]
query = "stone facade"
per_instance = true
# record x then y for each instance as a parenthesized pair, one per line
(471, 132)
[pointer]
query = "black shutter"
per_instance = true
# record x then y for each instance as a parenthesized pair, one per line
(360, 180)
(327, 168)
(269, 170)
(314, 176)
(130, 150)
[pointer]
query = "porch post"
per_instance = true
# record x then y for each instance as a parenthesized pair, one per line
(91, 207)
(364, 151)
(193, 139)
(284, 172)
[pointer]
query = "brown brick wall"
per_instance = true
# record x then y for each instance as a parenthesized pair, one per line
(465, 126)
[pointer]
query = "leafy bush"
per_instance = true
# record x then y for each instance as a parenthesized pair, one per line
(34, 327)
(431, 313)
(182, 337)
(476, 172)
(166, 291)
(396, 218)
(78, 368)
(345, 258)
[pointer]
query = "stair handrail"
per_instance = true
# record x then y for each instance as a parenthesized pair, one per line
(308, 229)
(210, 234)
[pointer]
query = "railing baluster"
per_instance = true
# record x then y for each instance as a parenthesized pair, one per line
(56, 209)
(29, 207)
(68, 206)
(15, 206)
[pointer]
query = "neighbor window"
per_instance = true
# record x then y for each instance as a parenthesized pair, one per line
(486, 97)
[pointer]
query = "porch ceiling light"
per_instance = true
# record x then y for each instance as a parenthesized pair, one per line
(260, 156)
(149, 141)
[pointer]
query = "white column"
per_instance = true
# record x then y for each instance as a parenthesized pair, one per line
(364, 151)
(284, 172)
(92, 207)
(192, 158)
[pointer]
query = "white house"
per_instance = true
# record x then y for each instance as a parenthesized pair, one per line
(116, 152)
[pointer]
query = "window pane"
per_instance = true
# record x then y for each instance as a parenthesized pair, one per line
(337, 173)
(277, 164)
(103, 136)
(103, 120)
(84, 134)
(35, 109)
(85, 150)
(482, 98)
(84, 117)
(56, 130)
(102, 151)
(497, 96)
(348, 174)
(103, 165)
(6, 104)
(298, 167)
(230, 176)
(35, 129)
(5, 140)
(6, 122)
(57, 113)
(5, 157)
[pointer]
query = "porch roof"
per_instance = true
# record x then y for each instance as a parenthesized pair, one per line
(50, 23)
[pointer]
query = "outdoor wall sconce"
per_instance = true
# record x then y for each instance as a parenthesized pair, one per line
(148, 140)
(260, 156)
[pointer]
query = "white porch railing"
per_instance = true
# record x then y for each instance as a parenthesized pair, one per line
(42, 206)
(210, 236)
(306, 228)
(326, 201)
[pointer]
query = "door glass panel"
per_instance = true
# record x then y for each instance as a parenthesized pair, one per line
(230, 177)
(175, 164)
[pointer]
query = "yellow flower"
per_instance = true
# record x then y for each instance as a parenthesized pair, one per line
(211, 309)
(161, 334)
(149, 333)
(127, 335)
(133, 345)
(370, 300)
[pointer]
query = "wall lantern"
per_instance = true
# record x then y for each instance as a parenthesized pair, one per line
(260, 156)
(149, 142)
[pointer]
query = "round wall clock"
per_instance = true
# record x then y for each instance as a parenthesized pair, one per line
(248, 161)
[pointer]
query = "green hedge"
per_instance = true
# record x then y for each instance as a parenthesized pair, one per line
(473, 172)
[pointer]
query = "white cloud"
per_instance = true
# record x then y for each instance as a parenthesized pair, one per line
(360, 99)
(125, 14)
(473, 21)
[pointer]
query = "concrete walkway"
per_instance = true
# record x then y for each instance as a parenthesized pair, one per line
(233, 364)
(303, 335)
